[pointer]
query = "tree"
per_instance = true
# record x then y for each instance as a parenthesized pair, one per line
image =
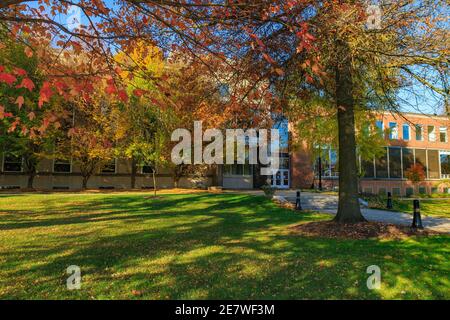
(264, 41)
(315, 124)
(90, 151)
(141, 118)
(146, 149)
(361, 68)
(415, 174)
(27, 127)
(92, 138)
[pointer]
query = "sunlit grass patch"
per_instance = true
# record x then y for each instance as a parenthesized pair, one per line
(198, 246)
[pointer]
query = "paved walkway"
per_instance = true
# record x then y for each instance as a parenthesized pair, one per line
(328, 203)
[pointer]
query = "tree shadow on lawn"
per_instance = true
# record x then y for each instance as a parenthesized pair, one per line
(238, 247)
(107, 208)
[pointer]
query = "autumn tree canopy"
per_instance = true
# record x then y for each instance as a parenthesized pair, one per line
(271, 50)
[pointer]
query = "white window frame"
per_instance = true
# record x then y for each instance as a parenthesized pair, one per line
(405, 125)
(421, 132)
(393, 131)
(431, 134)
(443, 130)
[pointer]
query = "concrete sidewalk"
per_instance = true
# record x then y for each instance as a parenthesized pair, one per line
(328, 203)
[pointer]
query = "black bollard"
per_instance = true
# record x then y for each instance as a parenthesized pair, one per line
(389, 201)
(417, 219)
(298, 204)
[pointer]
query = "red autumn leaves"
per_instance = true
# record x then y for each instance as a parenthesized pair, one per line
(12, 79)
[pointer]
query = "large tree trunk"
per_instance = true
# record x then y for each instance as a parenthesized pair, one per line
(176, 180)
(84, 182)
(348, 209)
(31, 165)
(31, 176)
(31, 162)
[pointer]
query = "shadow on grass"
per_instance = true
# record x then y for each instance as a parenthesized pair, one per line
(209, 247)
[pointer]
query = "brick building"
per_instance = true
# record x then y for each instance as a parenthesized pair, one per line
(412, 138)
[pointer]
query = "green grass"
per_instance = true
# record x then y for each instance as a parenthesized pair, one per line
(198, 246)
(435, 208)
(428, 207)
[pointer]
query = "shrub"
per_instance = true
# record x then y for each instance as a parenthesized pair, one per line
(269, 191)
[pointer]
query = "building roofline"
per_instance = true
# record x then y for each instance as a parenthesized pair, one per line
(417, 114)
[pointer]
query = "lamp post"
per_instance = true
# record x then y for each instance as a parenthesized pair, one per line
(320, 170)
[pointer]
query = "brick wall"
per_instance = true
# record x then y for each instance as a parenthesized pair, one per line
(302, 165)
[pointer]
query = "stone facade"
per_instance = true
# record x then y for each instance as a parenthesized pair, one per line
(48, 179)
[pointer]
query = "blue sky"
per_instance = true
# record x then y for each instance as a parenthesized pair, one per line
(422, 101)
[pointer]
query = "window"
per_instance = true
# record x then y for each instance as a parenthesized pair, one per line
(325, 163)
(381, 166)
(329, 159)
(110, 167)
(408, 159)
(238, 169)
(419, 132)
(393, 134)
(443, 134)
(334, 172)
(396, 192)
(368, 168)
(431, 133)
(380, 126)
(12, 163)
(409, 191)
(445, 165)
(284, 163)
(433, 164)
(283, 127)
(146, 169)
(395, 163)
(382, 191)
(421, 158)
(62, 166)
(406, 132)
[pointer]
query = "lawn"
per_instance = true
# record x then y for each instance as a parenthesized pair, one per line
(198, 246)
(428, 206)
